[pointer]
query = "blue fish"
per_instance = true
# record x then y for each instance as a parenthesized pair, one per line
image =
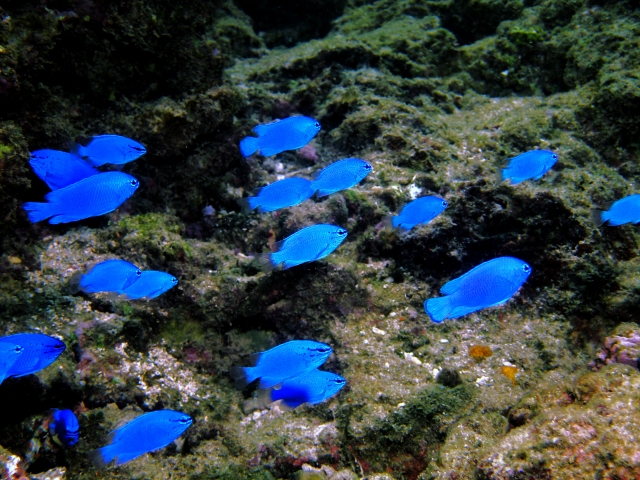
(104, 149)
(340, 175)
(150, 284)
(37, 351)
(625, 210)
(147, 433)
(306, 245)
(421, 210)
(60, 169)
(90, 197)
(280, 135)
(533, 164)
(107, 276)
(489, 284)
(312, 387)
(280, 194)
(64, 428)
(279, 363)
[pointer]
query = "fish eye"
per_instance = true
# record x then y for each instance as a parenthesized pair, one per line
(317, 124)
(18, 349)
(185, 420)
(368, 167)
(554, 156)
(342, 232)
(174, 280)
(134, 183)
(526, 268)
(445, 204)
(323, 349)
(138, 273)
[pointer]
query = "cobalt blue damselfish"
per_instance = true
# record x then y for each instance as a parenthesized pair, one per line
(306, 245)
(312, 387)
(89, 197)
(280, 194)
(421, 210)
(107, 276)
(625, 210)
(150, 284)
(340, 175)
(34, 351)
(280, 135)
(533, 164)
(147, 433)
(103, 149)
(487, 285)
(60, 169)
(279, 363)
(64, 427)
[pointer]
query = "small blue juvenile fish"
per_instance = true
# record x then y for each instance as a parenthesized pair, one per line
(147, 433)
(37, 351)
(533, 164)
(312, 387)
(625, 210)
(279, 363)
(280, 194)
(64, 427)
(280, 135)
(60, 169)
(340, 175)
(107, 276)
(150, 284)
(487, 285)
(421, 210)
(103, 149)
(306, 245)
(90, 197)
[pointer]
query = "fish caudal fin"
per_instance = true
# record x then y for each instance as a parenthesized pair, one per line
(74, 282)
(265, 262)
(101, 457)
(438, 309)
(259, 402)
(38, 211)
(598, 217)
(242, 376)
(247, 204)
(501, 175)
(387, 221)
(249, 146)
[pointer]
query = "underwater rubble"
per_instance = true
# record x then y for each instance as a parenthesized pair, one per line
(436, 95)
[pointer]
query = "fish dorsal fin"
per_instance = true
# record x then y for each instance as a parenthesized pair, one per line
(278, 245)
(262, 129)
(254, 359)
(453, 285)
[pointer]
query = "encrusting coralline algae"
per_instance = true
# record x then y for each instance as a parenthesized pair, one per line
(436, 96)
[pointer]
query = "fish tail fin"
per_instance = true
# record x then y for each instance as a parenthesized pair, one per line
(259, 402)
(248, 204)
(74, 282)
(265, 262)
(437, 308)
(388, 221)
(38, 211)
(599, 217)
(249, 146)
(101, 457)
(501, 175)
(243, 376)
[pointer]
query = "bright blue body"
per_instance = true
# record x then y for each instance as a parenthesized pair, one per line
(109, 276)
(312, 388)
(64, 427)
(90, 197)
(487, 285)
(149, 432)
(112, 149)
(340, 175)
(421, 210)
(529, 165)
(284, 361)
(149, 285)
(60, 169)
(625, 210)
(280, 135)
(37, 351)
(280, 194)
(306, 245)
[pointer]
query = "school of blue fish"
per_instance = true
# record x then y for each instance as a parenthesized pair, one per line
(288, 373)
